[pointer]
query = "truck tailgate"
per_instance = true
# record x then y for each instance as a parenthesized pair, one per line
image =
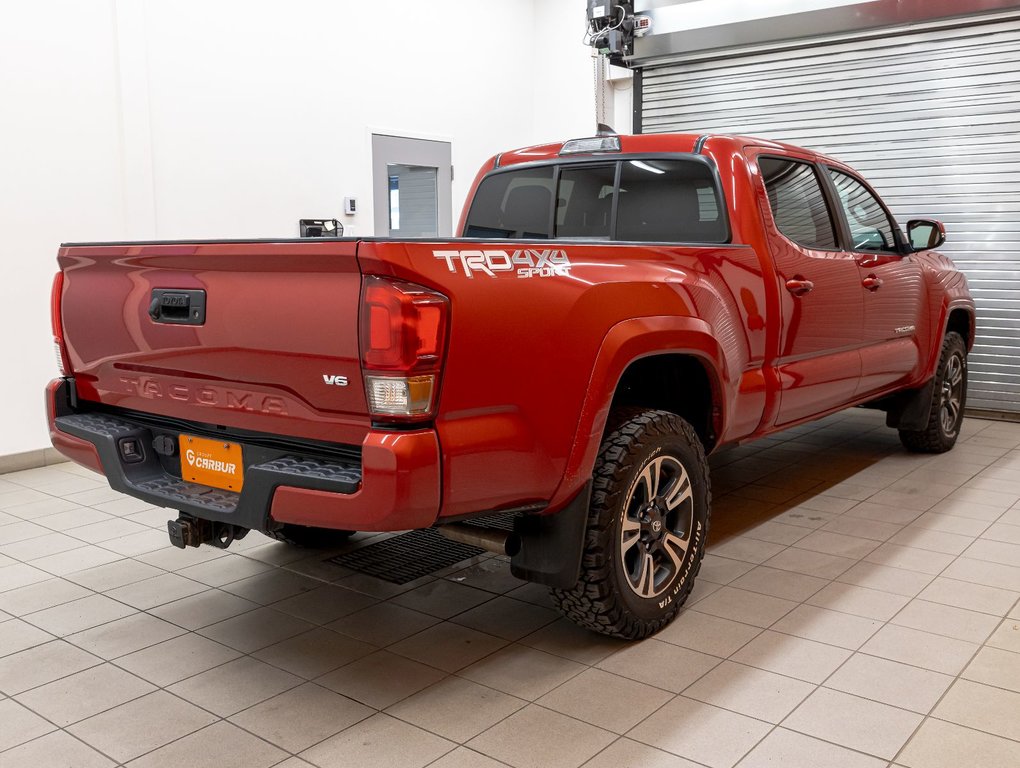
(277, 351)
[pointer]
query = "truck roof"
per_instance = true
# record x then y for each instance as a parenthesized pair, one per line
(652, 143)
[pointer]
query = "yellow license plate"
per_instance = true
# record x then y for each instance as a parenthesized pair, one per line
(212, 462)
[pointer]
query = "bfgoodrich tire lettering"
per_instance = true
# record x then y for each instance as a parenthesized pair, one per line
(646, 528)
(949, 397)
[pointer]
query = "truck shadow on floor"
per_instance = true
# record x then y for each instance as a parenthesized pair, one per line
(812, 474)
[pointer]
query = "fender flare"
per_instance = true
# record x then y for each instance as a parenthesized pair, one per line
(943, 325)
(909, 409)
(626, 342)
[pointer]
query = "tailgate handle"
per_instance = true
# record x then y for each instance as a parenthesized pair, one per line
(177, 307)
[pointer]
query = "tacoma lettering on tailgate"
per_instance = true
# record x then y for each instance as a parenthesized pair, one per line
(205, 395)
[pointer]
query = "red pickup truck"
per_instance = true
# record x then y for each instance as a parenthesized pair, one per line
(617, 308)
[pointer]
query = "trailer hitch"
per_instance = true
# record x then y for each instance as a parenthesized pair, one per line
(187, 531)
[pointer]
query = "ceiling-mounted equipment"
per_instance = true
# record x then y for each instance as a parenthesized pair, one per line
(612, 27)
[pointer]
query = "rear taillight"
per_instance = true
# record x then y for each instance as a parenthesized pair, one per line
(63, 364)
(403, 338)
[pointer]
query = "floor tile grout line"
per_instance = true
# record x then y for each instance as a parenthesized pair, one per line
(660, 749)
(929, 715)
(765, 563)
(504, 692)
(227, 718)
(165, 572)
(886, 623)
(56, 728)
(164, 689)
(972, 728)
(831, 582)
(956, 677)
(59, 729)
(819, 686)
(220, 718)
(99, 662)
(372, 713)
(186, 631)
(475, 751)
(313, 680)
(464, 743)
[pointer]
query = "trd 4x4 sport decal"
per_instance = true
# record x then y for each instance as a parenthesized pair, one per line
(525, 263)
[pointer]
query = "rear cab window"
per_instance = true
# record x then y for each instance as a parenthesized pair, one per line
(636, 199)
(513, 204)
(584, 205)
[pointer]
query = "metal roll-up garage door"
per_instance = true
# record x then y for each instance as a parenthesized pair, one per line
(931, 118)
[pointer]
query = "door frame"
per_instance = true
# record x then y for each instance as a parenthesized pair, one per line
(391, 147)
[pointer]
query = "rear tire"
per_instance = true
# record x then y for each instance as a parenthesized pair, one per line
(647, 525)
(949, 398)
(308, 537)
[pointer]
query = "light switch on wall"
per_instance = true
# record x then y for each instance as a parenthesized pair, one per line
(350, 206)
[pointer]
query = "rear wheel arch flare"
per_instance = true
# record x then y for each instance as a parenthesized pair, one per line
(681, 383)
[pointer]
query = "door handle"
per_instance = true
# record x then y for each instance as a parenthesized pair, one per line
(872, 282)
(799, 286)
(177, 307)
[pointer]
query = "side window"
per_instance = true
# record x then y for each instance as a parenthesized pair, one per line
(513, 204)
(585, 201)
(797, 202)
(870, 228)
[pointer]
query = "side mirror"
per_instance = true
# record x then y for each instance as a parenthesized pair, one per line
(925, 234)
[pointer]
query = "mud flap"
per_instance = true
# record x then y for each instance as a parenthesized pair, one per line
(551, 545)
(910, 410)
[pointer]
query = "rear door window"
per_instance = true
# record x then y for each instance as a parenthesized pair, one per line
(798, 203)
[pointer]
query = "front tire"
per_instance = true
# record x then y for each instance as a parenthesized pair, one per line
(949, 398)
(646, 530)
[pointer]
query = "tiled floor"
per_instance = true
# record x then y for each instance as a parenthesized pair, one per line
(859, 607)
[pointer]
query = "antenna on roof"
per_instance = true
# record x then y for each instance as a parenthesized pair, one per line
(605, 130)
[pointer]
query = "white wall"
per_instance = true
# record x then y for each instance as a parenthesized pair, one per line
(621, 84)
(166, 119)
(60, 178)
(562, 70)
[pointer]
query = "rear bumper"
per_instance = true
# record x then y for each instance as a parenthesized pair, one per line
(395, 486)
